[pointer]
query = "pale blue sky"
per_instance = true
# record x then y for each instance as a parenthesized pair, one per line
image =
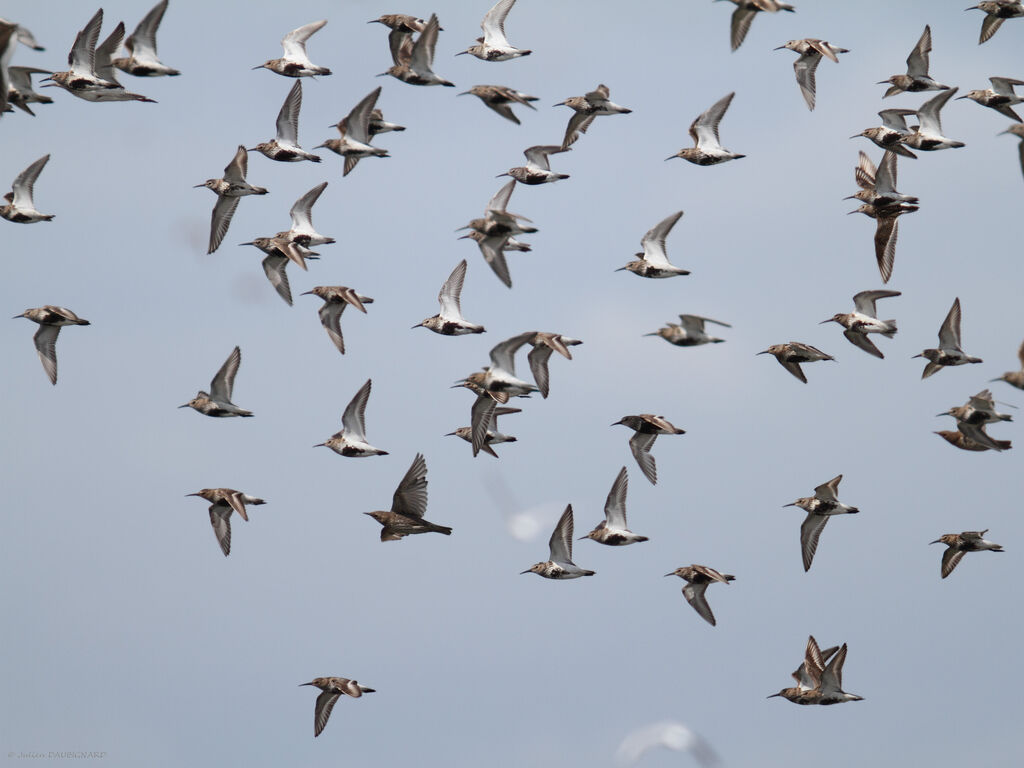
(127, 631)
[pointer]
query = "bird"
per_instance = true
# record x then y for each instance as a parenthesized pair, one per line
(21, 207)
(500, 98)
(331, 689)
(819, 508)
(295, 62)
(302, 232)
(228, 190)
(416, 65)
(20, 93)
(886, 232)
(808, 675)
(959, 544)
(864, 320)
(1015, 378)
(669, 734)
(690, 331)
(492, 436)
(537, 169)
(8, 42)
(960, 440)
(697, 578)
(791, 355)
(585, 109)
(379, 125)
(24, 36)
(996, 12)
(142, 60)
(928, 135)
(1000, 96)
(351, 440)
(449, 321)
(493, 232)
(560, 564)
(408, 506)
(336, 298)
(494, 46)
(224, 501)
(653, 262)
(949, 351)
(744, 14)
(285, 147)
(279, 251)
(707, 149)
(972, 416)
(543, 345)
(1018, 131)
(917, 77)
(811, 50)
(830, 685)
(614, 530)
(878, 185)
(92, 76)
(50, 319)
(500, 375)
(647, 427)
(890, 133)
(354, 143)
(217, 402)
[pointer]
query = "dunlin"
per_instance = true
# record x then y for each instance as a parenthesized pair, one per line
(449, 321)
(295, 62)
(351, 440)
(285, 147)
(586, 108)
(279, 251)
(864, 320)
(354, 143)
(999, 97)
(500, 98)
(560, 564)
(510, 244)
(614, 530)
(494, 46)
(228, 190)
(493, 435)
(1015, 378)
(493, 232)
(142, 60)
(500, 375)
(543, 345)
(707, 149)
(24, 36)
(811, 50)
(689, 332)
(331, 689)
(964, 443)
(537, 169)
(889, 135)
(653, 262)
(1018, 131)
(958, 544)
(336, 298)
(928, 135)
(408, 506)
(416, 65)
(807, 675)
(791, 355)
(996, 12)
(878, 185)
(886, 233)
(949, 351)
(819, 507)
(972, 416)
(697, 578)
(647, 427)
(217, 402)
(830, 686)
(379, 125)
(20, 207)
(744, 14)
(20, 93)
(301, 213)
(917, 77)
(50, 319)
(224, 501)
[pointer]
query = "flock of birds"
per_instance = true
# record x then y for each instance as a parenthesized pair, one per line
(412, 43)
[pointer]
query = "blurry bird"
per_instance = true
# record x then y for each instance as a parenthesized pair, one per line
(449, 321)
(999, 97)
(586, 108)
(647, 427)
(336, 298)
(500, 98)
(697, 578)
(408, 506)
(864, 320)
(928, 135)
(707, 149)
(996, 12)
(142, 60)
(20, 93)
(285, 147)
(1018, 131)
(50, 319)
(560, 564)
(889, 135)
(543, 345)
(295, 62)
(224, 501)
(537, 169)
(24, 36)
(959, 544)
(331, 690)
(494, 46)
(653, 262)
(917, 77)
(1015, 378)
(416, 65)
(21, 207)
(792, 354)
(217, 402)
(744, 14)
(228, 190)
(614, 530)
(690, 331)
(811, 51)
(493, 436)
(819, 508)
(670, 735)
(351, 440)
(949, 351)
(354, 143)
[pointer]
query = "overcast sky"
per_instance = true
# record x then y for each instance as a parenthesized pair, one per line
(129, 633)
